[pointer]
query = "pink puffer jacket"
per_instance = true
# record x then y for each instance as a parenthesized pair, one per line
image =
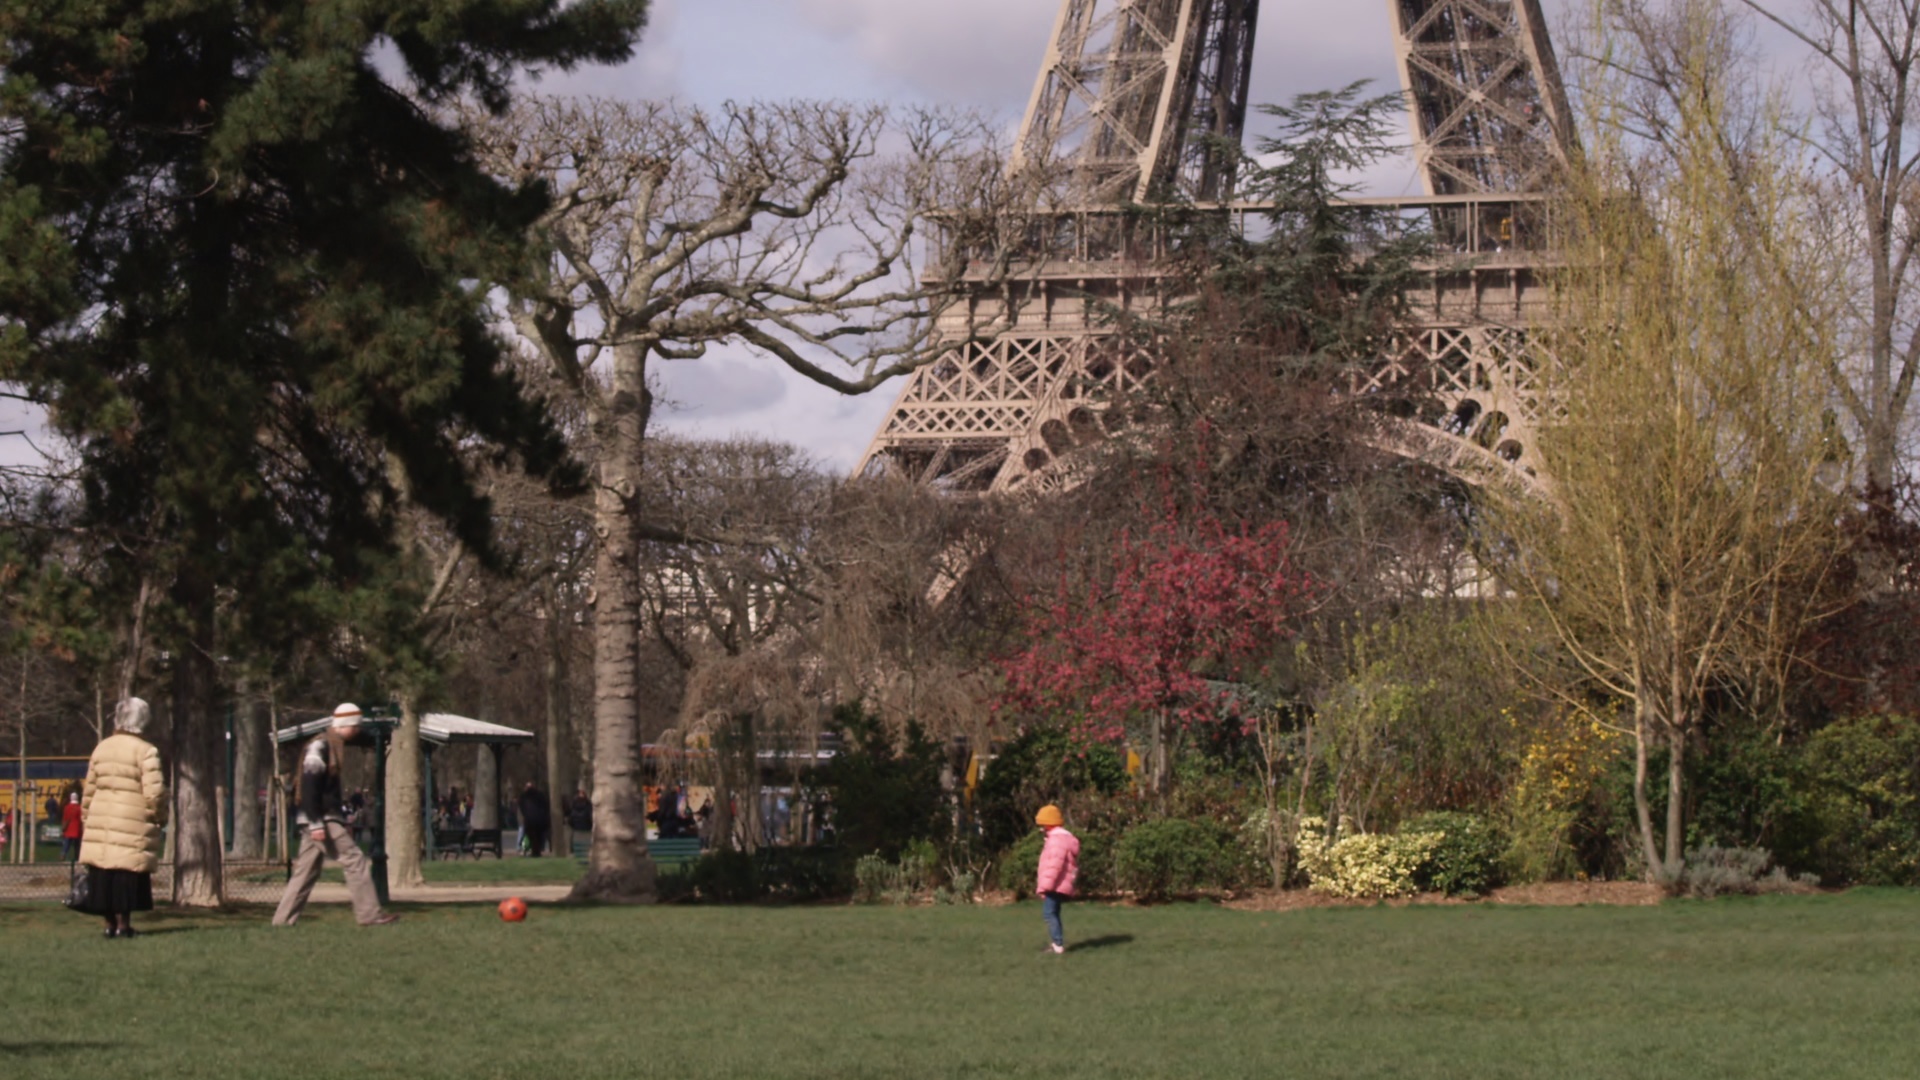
(1059, 863)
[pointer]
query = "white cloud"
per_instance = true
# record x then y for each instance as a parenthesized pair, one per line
(979, 53)
(733, 393)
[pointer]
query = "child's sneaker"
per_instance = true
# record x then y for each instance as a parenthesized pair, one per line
(1056, 949)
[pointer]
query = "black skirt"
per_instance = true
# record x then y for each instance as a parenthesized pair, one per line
(117, 892)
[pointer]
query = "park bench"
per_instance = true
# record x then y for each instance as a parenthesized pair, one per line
(449, 843)
(678, 852)
(452, 843)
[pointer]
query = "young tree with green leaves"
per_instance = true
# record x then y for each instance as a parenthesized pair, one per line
(243, 269)
(1694, 486)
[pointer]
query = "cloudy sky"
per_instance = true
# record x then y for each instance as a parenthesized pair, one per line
(982, 54)
(978, 53)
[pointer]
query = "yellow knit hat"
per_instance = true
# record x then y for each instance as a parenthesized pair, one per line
(1049, 815)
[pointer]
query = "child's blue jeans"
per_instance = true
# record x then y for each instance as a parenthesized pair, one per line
(1050, 911)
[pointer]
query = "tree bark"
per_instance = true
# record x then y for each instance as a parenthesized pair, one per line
(198, 761)
(618, 866)
(1642, 810)
(404, 840)
(559, 743)
(1158, 755)
(1676, 760)
(486, 788)
(249, 739)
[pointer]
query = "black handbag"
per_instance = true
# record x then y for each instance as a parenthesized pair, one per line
(79, 895)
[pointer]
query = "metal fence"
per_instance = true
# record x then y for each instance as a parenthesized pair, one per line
(244, 881)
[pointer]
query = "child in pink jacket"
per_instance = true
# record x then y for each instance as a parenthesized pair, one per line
(1059, 866)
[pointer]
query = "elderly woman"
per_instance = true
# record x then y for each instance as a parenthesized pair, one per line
(123, 805)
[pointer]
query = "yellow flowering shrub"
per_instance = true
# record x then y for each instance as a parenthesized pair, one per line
(1565, 756)
(1368, 866)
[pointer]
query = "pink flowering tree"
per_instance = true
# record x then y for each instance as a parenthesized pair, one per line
(1190, 604)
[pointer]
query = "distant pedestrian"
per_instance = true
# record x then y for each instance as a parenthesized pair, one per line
(123, 807)
(536, 818)
(580, 812)
(321, 819)
(72, 828)
(1059, 866)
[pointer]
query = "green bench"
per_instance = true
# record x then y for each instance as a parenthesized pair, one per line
(679, 852)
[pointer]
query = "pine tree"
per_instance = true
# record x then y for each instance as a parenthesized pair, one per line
(243, 268)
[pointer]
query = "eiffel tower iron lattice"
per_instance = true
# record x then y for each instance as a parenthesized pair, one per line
(1135, 100)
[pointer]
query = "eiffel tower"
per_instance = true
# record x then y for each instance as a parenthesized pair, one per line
(1134, 98)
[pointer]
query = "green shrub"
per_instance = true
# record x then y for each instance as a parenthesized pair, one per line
(1160, 859)
(885, 792)
(725, 877)
(804, 874)
(1862, 778)
(1038, 766)
(1465, 860)
(1020, 865)
(1844, 803)
(777, 874)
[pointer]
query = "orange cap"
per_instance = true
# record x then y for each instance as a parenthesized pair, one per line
(1049, 815)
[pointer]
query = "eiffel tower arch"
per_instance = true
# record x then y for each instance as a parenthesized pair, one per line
(1134, 99)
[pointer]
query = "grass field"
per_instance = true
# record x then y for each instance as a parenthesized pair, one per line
(1824, 986)
(516, 871)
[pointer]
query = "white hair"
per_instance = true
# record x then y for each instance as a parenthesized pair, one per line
(131, 716)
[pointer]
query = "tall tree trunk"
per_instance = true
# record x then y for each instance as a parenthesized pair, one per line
(199, 764)
(560, 774)
(405, 843)
(1642, 809)
(618, 866)
(1157, 753)
(486, 787)
(136, 640)
(1676, 806)
(249, 740)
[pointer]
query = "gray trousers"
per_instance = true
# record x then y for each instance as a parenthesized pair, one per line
(306, 870)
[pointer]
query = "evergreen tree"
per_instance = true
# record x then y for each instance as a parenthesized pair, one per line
(244, 269)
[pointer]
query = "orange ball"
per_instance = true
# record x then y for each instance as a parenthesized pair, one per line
(513, 909)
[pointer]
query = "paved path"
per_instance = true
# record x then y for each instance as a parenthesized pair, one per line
(330, 893)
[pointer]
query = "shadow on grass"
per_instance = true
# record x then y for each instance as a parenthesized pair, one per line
(1101, 942)
(50, 1047)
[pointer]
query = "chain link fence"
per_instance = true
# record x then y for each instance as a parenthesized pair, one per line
(250, 881)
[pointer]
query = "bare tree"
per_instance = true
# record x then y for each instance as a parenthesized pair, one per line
(1864, 58)
(798, 230)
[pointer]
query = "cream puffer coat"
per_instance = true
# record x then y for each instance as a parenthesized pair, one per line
(123, 805)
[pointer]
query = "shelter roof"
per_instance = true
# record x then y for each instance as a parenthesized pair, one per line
(438, 729)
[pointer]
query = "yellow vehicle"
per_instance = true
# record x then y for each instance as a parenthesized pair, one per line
(46, 777)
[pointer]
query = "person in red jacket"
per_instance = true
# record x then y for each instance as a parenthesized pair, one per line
(71, 828)
(1059, 866)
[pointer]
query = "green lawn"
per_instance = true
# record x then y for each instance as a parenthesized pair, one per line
(517, 871)
(1824, 986)
(43, 852)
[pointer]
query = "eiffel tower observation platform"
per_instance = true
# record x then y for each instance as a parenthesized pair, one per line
(1135, 100)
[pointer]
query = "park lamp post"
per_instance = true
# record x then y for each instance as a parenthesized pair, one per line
(378, 723)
